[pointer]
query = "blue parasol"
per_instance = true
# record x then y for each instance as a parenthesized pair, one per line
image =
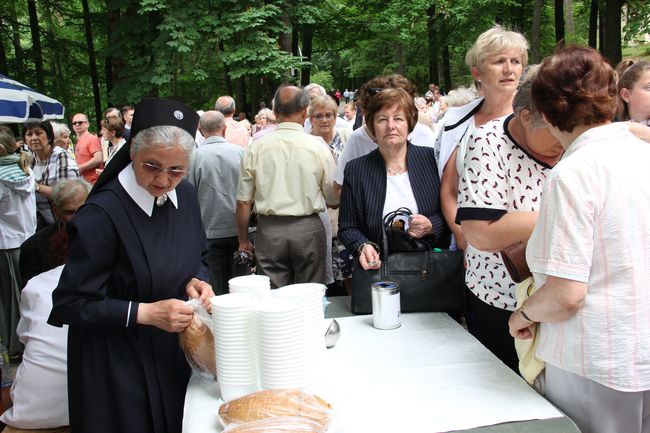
(20, 104)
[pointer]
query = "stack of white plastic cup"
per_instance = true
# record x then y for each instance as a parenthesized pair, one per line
(256, 285)
(310, 298)
(283, 356)
(234, 336)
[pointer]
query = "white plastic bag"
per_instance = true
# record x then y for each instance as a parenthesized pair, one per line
(197, 342)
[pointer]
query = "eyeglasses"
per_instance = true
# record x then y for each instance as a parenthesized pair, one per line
(156, 170)
(373, 91)
(79, 122)
(320, 117)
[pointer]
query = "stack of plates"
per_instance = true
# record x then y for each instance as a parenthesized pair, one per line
(234, 336)
(283, 355)
(309, 296)
(256, 285)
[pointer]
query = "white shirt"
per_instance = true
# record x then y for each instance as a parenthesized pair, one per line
(399, 194)
(360, 144)
(140, 196)
(594, 227)
(40, 391)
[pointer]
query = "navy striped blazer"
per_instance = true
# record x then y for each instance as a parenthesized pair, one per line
(364, 193)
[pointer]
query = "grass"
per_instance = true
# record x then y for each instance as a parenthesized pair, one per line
(641, 51)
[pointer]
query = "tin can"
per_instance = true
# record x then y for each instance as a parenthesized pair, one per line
(385, 305)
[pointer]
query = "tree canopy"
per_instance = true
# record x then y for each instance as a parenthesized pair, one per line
(91, 54)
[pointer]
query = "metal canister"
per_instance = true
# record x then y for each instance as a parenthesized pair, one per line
(385, 305)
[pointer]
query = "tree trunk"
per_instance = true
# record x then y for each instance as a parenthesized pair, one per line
(593, 24)
(254, 86)
(92, 63)
(55, 55)
(559, 22)
(307, 49)
(612, 46)
(4, 66)
(240, 96)
(113, 64)
(226, 72)
(536, 31)
(432, 33)
(36, 44)
(19, 70)
(446, 67)
(568, 17)
(602, 20)
(284, 39)
(399, 56)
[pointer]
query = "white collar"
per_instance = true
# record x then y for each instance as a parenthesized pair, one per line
(140, 196)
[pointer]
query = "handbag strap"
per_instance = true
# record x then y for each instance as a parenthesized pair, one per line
(388, 222)
(390, 216)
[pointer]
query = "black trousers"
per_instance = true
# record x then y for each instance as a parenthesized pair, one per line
(221, 264)
(490, 326)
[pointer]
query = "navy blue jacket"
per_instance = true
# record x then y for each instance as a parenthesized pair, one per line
(364, 193)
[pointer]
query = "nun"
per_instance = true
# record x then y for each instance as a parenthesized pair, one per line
(137, 253)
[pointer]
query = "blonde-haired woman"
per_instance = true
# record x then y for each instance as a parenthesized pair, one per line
(497, 60)
(17, 223)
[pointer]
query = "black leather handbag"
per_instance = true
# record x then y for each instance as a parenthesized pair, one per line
(429, 280)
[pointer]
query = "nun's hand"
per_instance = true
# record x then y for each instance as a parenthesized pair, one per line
(171, 315)
(201, 290)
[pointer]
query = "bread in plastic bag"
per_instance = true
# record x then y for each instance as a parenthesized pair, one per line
(274, 403)
(278, 425)
(197, 342)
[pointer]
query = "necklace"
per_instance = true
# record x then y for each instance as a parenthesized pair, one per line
(399, 171)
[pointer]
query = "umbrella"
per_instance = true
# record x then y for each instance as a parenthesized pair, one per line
(20, 104)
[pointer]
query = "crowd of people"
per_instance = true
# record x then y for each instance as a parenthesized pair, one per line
(169, 204)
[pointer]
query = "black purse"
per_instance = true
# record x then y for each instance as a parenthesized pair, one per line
(429, 280)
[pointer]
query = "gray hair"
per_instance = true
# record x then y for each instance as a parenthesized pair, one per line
(163, 135)
(420, 102)
(212, 121)
(225, 105)
(268, 115)
(68, 188)
(461, 96)
(523, 98)
(314, 87)
(493, 41)
(296, 104)
(60, 128)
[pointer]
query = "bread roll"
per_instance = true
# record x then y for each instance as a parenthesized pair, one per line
(278, 425)
(198, 344)
(277, 403)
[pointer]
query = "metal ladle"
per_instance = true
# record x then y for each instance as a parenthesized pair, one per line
(332, 334)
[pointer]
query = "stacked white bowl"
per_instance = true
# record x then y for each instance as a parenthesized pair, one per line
(234, 336)
(256, 285)
(309, 296)
(283, 355)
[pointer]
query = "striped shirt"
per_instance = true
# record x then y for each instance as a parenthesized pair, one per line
(594, 227)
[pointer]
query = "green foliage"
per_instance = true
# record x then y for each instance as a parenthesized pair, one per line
(193, 51)
(324, 78)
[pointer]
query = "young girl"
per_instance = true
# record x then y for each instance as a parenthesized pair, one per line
(634, 93)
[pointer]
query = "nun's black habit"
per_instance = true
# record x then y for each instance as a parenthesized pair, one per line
(125, 377)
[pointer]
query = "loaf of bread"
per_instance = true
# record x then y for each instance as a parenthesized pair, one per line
(278, 425)
(198, 344)
(274, 403)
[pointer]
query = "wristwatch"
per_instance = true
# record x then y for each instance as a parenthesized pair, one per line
(360, 249)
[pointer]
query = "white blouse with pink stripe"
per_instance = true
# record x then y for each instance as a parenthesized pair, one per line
(594, 227)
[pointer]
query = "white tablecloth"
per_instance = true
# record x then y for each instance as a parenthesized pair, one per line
(428, 376)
